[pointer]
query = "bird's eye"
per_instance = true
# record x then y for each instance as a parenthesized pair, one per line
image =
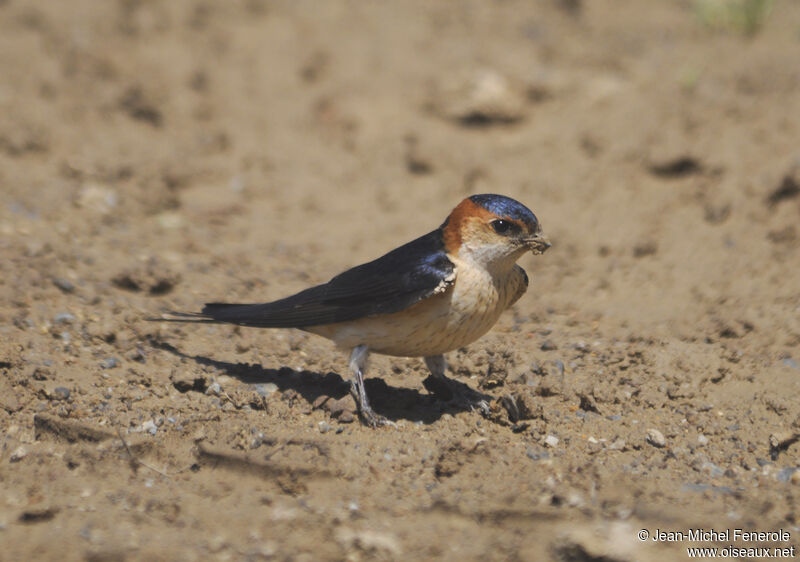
(503, 227)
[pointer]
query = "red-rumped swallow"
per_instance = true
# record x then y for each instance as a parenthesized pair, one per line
(435, 294)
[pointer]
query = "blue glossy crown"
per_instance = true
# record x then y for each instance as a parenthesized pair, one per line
(503, 206)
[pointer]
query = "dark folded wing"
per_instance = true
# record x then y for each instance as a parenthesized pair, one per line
(388, 284)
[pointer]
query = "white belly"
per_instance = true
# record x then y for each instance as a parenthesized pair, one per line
(436, 325)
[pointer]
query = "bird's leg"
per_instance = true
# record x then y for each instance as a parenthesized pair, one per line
(443, 387)
(358, 365)
(438, 383)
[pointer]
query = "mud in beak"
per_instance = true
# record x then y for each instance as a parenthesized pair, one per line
(538, 244)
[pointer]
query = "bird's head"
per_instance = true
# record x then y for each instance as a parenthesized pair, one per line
(493, 231)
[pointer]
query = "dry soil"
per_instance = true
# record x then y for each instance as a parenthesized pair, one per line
(159, 155)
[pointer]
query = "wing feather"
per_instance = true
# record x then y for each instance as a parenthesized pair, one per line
(388, 284)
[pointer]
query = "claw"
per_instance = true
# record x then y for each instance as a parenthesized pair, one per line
(481, 406)
(375, 420)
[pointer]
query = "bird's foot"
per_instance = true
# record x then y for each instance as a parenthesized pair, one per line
(369, 417)
(481, 406)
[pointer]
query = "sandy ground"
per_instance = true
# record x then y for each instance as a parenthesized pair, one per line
(159, 155)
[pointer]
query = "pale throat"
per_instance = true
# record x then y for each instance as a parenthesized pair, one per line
(497, 259)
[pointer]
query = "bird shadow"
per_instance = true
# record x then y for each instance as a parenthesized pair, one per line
(392, 402)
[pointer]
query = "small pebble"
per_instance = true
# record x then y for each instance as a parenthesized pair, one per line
(41, 373)
(150, 427)
(60, 393)
(548, 345)
(214, 388)
(257, 440)
(346, 417)
(656, 438)
(109, 363)
(19, 453)
(693, 487)
(551, 441)
(64, 284)
(711, 469)
(574, 499)
(787, 474)
(265, 389)
(64, 318)
(617, 445)
(789, 362)
(702, 440)
(324, 427)
(537, 455)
